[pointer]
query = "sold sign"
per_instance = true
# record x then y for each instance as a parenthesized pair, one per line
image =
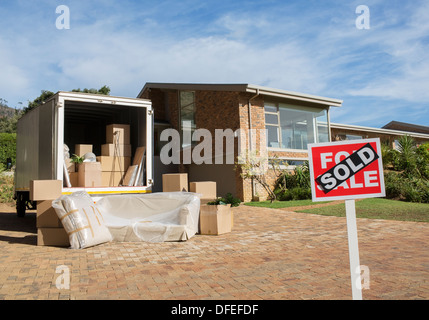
(346, 170)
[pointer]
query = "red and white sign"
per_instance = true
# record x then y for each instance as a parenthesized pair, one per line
(346, 170)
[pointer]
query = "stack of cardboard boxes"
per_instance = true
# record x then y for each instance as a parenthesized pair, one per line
(50, 231)
(115, 154)
(110, 167)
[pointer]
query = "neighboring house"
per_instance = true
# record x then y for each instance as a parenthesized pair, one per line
(389, 134)
(291, 119)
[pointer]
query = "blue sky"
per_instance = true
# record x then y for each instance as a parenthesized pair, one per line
(314, 47)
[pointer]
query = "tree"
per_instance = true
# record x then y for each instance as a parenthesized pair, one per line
(8, 117)
(256, 167)
(47, 94)
(103, 90)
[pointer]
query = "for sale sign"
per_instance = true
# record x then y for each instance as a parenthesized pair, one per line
(346, 170)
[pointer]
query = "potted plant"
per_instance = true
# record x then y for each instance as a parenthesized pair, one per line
(216, 216)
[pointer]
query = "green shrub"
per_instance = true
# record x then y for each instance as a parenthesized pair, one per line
(7, 147)
(294, 185)
(228, 199)
(296, 193)
(393, 185)
(401, 186)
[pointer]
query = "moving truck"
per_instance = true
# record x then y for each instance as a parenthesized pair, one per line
(70, 120)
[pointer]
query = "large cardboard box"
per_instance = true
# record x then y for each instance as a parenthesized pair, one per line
(215, 219)
(123, 130)
(45, 189)
(81, 149)
(46, 217)
(207, 189)
(174, 182)
(119, 164)
(89, 174)
(108, 149)
(111, 178)
(52, 237)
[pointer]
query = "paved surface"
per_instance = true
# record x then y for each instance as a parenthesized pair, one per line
(271, 254)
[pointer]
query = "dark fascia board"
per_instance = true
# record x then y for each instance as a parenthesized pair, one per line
(403, 126)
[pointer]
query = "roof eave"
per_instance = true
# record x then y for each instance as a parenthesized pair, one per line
(294, 95)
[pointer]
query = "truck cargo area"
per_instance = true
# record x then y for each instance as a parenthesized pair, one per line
(85, 123)
(79, 120)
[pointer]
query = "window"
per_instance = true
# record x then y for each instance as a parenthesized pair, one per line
(346, 136)
(187, 116)
(293, 127)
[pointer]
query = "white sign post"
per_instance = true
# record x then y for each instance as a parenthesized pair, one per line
(347, 170)
(353, 250)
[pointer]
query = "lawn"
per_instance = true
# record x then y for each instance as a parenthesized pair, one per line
(373, 208)
(378, 208)
(282, 204)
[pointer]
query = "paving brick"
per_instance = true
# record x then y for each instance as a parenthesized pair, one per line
(270, 254)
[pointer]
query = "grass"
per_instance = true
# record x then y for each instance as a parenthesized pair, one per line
(282, 204)
(378, 208)
(6, 188)
(373, 208)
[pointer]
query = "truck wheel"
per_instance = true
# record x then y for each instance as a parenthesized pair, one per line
(21, 204)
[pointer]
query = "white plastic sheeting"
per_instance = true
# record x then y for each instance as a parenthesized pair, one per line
(82, 220)
(155, 217)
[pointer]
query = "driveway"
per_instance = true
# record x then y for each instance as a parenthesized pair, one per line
(270, 254)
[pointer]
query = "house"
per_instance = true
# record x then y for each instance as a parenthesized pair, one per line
(277, 123)
(291, 119)
(388, 134)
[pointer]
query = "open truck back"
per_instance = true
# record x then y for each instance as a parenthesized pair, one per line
(73, 118)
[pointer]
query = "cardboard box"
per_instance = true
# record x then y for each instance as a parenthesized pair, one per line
(174, 182)
(46, 217)
(120, 164)
(124, 150)
(122, 129)
(206, 188)
(45, 189)
(111, 179)
(74, 179)
(215, 219)
(52, 237)
(89, 174)
(81, 149)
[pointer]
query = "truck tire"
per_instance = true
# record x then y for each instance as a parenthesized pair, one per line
(21, 204)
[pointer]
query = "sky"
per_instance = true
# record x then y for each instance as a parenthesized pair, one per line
(381, 72)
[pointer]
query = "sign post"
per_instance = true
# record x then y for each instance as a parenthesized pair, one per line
(353, 249)
(347, 170)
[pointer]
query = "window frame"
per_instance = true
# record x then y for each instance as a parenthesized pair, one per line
(279, 105)
(193, 121)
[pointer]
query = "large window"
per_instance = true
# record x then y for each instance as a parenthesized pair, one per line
(187, 116)
(293, 127)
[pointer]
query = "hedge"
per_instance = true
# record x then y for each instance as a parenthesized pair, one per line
(7, 147)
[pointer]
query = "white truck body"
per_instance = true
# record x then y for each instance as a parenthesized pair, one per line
(79, 118)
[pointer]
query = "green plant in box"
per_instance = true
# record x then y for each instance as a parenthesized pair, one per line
(76, 159)
(228, 199)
